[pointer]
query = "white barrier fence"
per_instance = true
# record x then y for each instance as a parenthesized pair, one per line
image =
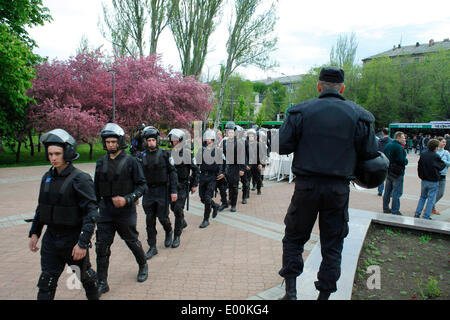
(280, 167)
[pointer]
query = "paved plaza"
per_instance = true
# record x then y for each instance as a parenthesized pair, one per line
(236, 257)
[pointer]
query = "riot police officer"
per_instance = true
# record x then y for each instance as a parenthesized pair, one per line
(68, 206)
(119, 183)
(162, 180)
(137, 143)
(257, 155)
(327, 136)
(185, 164)
(210, 160)
(245, 178)
(234, 151)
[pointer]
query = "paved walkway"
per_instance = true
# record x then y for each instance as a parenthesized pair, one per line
(237, 257)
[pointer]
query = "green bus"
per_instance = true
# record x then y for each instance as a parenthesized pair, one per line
(434, 128)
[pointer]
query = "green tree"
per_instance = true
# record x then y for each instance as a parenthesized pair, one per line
(16, 63)
(192, 23)
(250, 42)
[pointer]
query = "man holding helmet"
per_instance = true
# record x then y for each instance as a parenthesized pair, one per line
(210, 159)
(162, 180)
(119, 183)
(328, 136)
(185, 164)
(68, 206)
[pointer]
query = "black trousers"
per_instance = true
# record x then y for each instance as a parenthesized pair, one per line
(56, 252)
(152, 211)
(222, 185)
(256, 176)
(245, 180)
(232, 175)
(329, 198)
(105, 237)
(178, 206)
(207, 186)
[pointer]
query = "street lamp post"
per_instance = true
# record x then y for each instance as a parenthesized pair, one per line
(114, 93)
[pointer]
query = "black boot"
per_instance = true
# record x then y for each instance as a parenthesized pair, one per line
(233, 209)
(253, 188)
(176, 242)
(168, 241)
(244, 201)
(151, 252)
(223, 206)
(215, 208)
(143, 273)
(324, 295)
(259, 192)
(204, 224)
(291, 289)
(103, 287)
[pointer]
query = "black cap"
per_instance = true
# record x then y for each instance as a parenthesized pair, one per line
(332, 74)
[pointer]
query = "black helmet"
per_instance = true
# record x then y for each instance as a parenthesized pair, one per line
(371, 173)
(230, 125)
(60, 137)
(112, 130)
(151, 132)
(176, 134)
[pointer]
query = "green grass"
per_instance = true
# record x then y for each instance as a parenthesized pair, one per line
(8, 158)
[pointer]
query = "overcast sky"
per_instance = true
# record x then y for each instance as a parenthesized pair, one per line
(306, 31)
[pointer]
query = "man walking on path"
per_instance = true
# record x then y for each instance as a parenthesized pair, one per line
(428, 168)
(396, 154)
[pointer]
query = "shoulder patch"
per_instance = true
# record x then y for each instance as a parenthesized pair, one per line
(171, 161)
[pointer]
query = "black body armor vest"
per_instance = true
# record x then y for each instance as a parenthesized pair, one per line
(120, 184)
(58, 202)
(155, 168)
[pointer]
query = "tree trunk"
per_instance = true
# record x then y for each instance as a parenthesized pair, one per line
(18, 152)
(39, 142)
(90, 151)
(30, 136)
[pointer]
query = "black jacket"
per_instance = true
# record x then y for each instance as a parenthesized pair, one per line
(383, 142)
(328, 135)
(84, 193)
(429, 166)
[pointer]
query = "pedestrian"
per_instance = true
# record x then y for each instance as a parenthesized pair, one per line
(137, 143)
(210, 160)
(162, 181)
(245, 178)
(382, 142)
(447, 139)
(425, 141)
(119, 183)
(327, 135)
(396, 154)
(445, 156)
(188, 177)
(68, 207)
(428, 168)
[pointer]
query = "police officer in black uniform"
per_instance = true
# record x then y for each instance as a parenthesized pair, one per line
(257, 155)
(234, 151)
(328, 136)
(137, 143)
(162, 180)
(185, 163)
(245, 178)
(68, 206)
(119, 183)
(210, 159)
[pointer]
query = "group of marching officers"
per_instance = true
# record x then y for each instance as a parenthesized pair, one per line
(71, 204)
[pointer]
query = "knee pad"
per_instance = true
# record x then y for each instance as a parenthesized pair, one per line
(102, 249)
(47, 282)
